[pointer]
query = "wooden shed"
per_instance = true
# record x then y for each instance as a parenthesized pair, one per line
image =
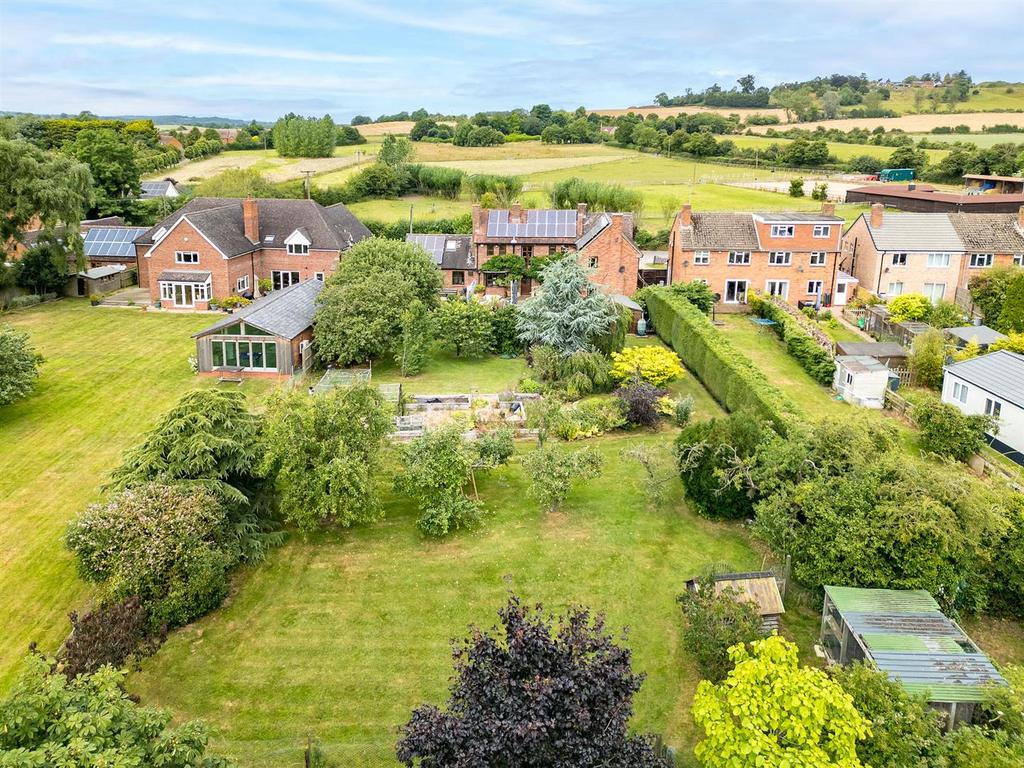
(758, 587)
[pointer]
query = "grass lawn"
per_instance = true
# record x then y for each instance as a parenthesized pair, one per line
(109, 373)
(343, 635)
(447, 373)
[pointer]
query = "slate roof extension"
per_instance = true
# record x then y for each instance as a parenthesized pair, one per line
(285, 313)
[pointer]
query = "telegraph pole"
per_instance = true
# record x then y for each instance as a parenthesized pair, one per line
(306, 182)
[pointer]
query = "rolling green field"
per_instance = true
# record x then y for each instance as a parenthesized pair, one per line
(840, 150)
(980, 139)
(109, 374)
(991, 97)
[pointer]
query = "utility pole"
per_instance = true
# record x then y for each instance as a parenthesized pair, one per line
(306, 182)
(410, 219)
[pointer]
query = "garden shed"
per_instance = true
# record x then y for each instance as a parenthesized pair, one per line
(759, 587)
(905, 635)
(99, 280)
(861, 380)
(888, 352)
(985, 336)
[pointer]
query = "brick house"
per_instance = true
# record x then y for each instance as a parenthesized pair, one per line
(935, 254)
(602, 242)
(216, 247)
(787, 254)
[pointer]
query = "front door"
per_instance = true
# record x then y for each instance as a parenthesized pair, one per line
(735, 291)
(183, 296)
(840, 299)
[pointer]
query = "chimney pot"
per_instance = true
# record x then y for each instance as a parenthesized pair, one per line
(828, 209)
(687, 215)
(877, 211)
(251, 219)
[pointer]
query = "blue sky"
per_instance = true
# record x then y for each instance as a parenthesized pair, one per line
(261, 58)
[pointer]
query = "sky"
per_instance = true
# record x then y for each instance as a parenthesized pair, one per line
(260, 59)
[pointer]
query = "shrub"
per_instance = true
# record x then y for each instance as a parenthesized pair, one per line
(28, 300)
(19, 365)
(867, 164)
(614, 340)
(506, 189)
(683, 411)
(111, 634)
(495, 448)
(909, 306)
(639, 403)
(233, 302)
(588, 419)
(552, 471)
(437, 466)
(1013, 342)
(927, 356)
(711, 457)
(436, 180)
(796, 187)
(653, 364)
(529, 386)
(805, 342)
(946, 431)
(464, 325)
(504, 332)
(575, 375)
(1011, 317)
(945, 314)
(379, 180)
(170, 545)
(697, 293)
(598, 196)
(713, 623)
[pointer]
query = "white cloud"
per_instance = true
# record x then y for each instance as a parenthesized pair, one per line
(473, 21)
(157, 43)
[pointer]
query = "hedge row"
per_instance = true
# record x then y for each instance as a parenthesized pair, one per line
(729, 375)
(800, 341)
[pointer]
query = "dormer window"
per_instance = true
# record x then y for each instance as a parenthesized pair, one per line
(297, 243)
(298, 249)
(783, 230)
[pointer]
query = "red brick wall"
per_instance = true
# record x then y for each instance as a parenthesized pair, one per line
(618, 261)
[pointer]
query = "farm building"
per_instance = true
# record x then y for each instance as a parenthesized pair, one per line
(1001, 185)
(982, 334)
(891, 354)
(155, 189)
(992, 384)
(924, 199)
(98, 280)
(759, 587)
(905, 635)
(861, 380)
(270, 336)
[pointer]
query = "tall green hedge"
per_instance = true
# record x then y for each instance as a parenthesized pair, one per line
(812, 356)
(729, 375)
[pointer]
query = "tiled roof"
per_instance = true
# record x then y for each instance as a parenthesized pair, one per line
(719, 231)
(221, 220)
(988, 232)
(593, 228)
(285, 313)
(184, 276)
(1000, 373)
(932, 232)
(799, 216)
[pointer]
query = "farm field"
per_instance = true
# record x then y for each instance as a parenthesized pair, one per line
(980, 139)
(839, 149)
(109, 373)
(991, 97)
(914, 123)
(663, 112)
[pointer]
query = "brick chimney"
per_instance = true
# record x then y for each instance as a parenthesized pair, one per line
(251, 219)
(479, 223)
(828, 209)
(581, 216)
(687, 215)
(515, 214)
(1020, 218)
(877, 210)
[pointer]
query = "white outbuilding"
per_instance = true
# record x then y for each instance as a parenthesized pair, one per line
(992, 384)
(861, 380)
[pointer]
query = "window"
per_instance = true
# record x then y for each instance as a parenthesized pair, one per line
(938, 259)
(735, 291)
(702, 257)
(458, 277)
(960, 392)
(814, 286)
(492, 250)
(778, 288)
(739, 257)
(242, 283)
(981, 259)
(592, 262)
(934, 291)
(251, 355)
(298, 249)
(780, 258)
(993, 408)
(895, 289)
(319, 276)
(822, 230)
(186, 257)
(818, 258)
(1018, 259)
(527, 251)
(281, 279)
(899, 259)
(849, 378)
(491, 279)
(184, 294)
(782, 230)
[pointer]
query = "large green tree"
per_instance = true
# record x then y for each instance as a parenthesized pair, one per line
(360, 308)
(438, 466)
(568, 311)
(44, 267)
(465, 326)
(34, 183)
(1011, 316)
(325, 451)
(770, 711)
(296, 136)
(111, 160)
(19, 365)
(91, 720)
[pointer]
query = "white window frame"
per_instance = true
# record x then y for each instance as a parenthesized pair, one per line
(818, 258)
(280, 283)
(899, 259)
(746, 290)
(895, 291)
(739, 258)
(940, 257)
(960, 392)
(319, 276)
(771, 287)
(701, 258)
(1018, 259)
(993, 407)
(820, 285)
(783, 230)
(186, 257)
(822, 231)
(592, 262)
(242, 283)
(774, 256)
(930, 292)
(297, 249)
(849, 378)
(200, 292)
(981, 260)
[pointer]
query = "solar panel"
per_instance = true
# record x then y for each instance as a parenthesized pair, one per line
(542, 223)
(111, 242)
(432, 244)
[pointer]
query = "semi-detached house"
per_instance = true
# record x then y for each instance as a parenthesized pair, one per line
(217, 247)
